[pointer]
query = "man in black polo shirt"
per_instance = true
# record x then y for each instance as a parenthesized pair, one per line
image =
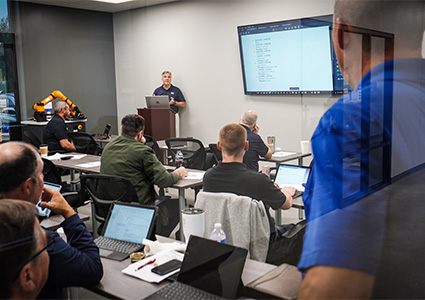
(55, 134)
(232, 176)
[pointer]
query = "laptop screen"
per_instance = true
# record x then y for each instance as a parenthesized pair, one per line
(213, 267)
(294, 176)
(129, 222)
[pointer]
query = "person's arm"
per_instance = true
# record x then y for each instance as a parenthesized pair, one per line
(67, 145)
(76, 262)
(180, 104)
(288, 192)
(325, 282)
(269, 153)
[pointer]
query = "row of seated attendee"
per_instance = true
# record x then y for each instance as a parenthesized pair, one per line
(75, 262)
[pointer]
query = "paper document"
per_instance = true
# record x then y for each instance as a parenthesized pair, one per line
(195, 175)
(58, 156)
(283, 154)
(90, 165)
(145, 272)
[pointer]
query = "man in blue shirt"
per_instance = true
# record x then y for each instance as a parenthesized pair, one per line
(257, 147)
(174, 94)
(364, 239)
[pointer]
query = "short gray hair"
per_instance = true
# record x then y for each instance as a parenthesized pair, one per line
(403, 18)
(59, 105)
(165, 72)
(249, 117)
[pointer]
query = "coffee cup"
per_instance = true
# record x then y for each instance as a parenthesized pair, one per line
(43, 150)
(193, 222)
(305, 147)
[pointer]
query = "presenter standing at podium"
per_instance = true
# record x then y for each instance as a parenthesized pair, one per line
(175, 96)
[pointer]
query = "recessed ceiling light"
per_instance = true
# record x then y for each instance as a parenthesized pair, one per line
(114, 1)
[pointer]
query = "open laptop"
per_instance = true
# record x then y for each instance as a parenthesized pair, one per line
(157, 101)
(105, 134)
(294, 176)
(127, 224)
(209, 270)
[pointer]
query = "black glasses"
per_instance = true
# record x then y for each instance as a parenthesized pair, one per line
(48, 247)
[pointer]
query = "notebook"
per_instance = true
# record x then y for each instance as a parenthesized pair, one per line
(294, 176)
(127, 224)
(157, 101)
(209, 270)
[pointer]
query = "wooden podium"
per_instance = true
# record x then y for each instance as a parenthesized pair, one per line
(160, 123)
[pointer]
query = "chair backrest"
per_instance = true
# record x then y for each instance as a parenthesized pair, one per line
(151, 142)
(216, 152)
(244, 221)
(31, 138)
(84, 143)
(193, 150)
(104, 190)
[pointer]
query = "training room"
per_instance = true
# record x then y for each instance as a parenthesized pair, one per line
(104, 57)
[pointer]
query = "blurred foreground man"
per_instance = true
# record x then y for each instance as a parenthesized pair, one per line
(23, 257)
(364, 200)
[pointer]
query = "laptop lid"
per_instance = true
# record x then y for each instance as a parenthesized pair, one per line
(130, 222)
(213, 267)
(294, 176)
(157, 101)
(107, 130)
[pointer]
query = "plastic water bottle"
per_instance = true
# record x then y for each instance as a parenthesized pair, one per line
(218, 234)
(179, 159)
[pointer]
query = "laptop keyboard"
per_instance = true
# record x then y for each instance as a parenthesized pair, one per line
(116, 245)
(177, 290)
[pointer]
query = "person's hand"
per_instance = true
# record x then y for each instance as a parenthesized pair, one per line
(276, 185)
(182, 172)
(172, 101)
(140, 138)
(290, 190)
(255, 128)
(53, 200)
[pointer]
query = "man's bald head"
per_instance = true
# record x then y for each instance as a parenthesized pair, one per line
(18, 162)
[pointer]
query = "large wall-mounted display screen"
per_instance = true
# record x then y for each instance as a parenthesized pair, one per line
(290, 57)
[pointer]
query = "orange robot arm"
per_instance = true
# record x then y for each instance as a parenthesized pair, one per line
(75, 111)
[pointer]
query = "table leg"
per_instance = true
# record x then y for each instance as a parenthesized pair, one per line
(300, 161)
(182, 205)
(278, 216)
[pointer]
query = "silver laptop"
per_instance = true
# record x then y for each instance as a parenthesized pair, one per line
(157, 101)
(125, 228)
(293, 176)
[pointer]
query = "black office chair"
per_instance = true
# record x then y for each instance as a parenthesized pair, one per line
(151, 142)
(31, 138)
(103, 190)
(52, 174)
(194, 155)
(216, 152)
(85, 143)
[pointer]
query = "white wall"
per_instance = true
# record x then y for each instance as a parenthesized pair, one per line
(198, 42)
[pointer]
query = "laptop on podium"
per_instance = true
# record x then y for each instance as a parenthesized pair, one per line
(157, 101)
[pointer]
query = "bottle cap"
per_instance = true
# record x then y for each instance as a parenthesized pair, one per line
(217, 225)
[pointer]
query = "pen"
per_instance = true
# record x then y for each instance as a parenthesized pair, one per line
(144, 265)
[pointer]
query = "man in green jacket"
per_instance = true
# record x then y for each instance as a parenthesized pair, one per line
(129, 157)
